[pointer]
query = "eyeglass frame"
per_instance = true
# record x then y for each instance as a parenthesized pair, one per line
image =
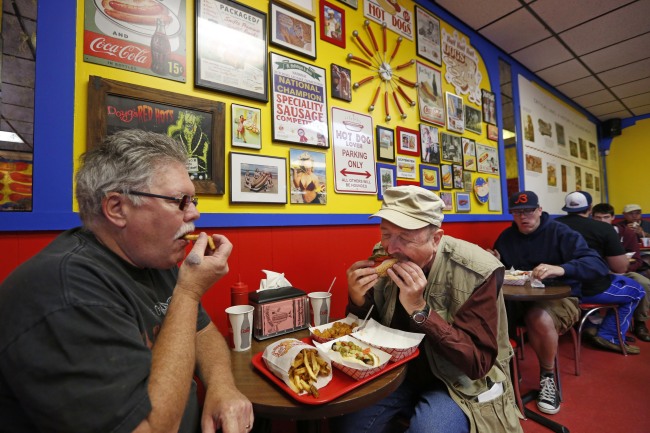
(182, 201)
(523, 212)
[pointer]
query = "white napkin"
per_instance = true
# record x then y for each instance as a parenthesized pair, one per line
(273, 280)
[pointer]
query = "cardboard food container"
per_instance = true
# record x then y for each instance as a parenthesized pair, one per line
(279, 356)
(350, 320)
(279, 311)
(399, 344)
(353, 369)
(516, 278)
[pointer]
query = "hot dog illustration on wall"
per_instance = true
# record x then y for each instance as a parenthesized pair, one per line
(145, 36)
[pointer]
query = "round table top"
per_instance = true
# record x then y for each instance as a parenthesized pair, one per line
(529, 293)
(271, 402)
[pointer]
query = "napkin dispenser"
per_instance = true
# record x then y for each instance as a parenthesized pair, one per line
(279, 311)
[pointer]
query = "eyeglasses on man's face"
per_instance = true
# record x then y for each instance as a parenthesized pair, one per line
(182, 201)
(520, 212)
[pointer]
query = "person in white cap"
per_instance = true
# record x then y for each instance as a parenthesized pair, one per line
(632, 219)
(449, 290)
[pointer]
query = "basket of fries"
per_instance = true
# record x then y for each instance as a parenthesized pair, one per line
(399, 344)
(354, 358)
(334, 330)
(303, 368)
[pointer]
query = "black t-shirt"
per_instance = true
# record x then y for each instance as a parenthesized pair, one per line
(600, 236)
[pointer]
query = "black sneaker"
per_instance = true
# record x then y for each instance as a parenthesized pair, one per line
(548, 400)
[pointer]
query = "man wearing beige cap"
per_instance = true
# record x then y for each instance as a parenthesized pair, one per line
(449, 290)
(632, 220)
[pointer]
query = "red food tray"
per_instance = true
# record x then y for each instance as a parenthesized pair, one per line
(339, 385)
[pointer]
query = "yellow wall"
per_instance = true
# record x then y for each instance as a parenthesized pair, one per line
(627, 167)
(327, 53)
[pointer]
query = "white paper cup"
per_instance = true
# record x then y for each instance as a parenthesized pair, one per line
(320, 307)
(240, 326)
(645, 242)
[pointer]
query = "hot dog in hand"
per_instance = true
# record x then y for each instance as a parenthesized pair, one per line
(383, 262)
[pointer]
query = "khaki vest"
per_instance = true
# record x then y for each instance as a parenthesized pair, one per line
(458, 268)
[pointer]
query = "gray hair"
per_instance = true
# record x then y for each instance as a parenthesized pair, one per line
(125, 161)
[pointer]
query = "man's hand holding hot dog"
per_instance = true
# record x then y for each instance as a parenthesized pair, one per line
(411, 281)
(361, 277)
(203, 267)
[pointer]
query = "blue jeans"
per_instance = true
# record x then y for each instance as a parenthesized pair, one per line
(430, 411)
(625, 292)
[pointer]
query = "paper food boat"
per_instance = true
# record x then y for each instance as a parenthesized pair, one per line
(322, 328)
(399, 344)
(516, 278)
(354, 370)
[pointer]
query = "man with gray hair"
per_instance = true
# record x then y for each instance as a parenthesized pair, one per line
(449, 290)
(102, 330)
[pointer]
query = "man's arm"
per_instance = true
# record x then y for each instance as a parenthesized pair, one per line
(225, 407)
(618, 264)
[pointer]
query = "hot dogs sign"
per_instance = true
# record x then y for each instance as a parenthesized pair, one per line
(145, 36)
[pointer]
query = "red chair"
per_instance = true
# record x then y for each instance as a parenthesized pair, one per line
(514, 372)
(588, 310)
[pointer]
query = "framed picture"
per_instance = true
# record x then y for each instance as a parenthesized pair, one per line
(451, 148)
(340, 83)
(467, 181)
(17, 167)
(236, 64)
(430, 97)
(487, 159)
(246, 126)
(493, 133)
(473, 119)
(354, 4)
(257, 179)
(292, 31)
(386, 177)
(408, 141)
(332, 24)
(305, 7)
(429, 144)
(489, 107)
(197, 123)
(469, 154)
(308, 177)
(447, 200)
(428, 35)
(463, 203)
(309, 128)
(429, 177)
(458, 175)
(406, 167)
(385, 144)
(455, 114)
(447, 176)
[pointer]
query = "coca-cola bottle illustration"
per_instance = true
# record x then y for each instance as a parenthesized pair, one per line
(323, 312)
(160, 49)
(245, 332)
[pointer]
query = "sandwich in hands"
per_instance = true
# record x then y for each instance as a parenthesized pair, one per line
(383, 262)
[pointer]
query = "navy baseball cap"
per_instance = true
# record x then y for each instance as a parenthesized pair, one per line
(523, 200)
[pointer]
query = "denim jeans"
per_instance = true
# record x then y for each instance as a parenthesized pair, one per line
(625, 292)
(430, 411)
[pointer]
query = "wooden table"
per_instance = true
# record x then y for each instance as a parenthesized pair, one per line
(270, 402)
(529, 293)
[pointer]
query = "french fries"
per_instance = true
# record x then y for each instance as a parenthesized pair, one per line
(304, 372)
(196, 237)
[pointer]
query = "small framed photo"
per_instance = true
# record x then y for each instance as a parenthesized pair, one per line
(467, 181)
(304, 7)
(257, 179)
(354, 4)
(408, 141)
(430, 97)
(385, 144)
(429, 177)
(469, 154)
(406, 167)
(455, 113)
(447, 200)
(428, 36)
(458, 176)
(429, 143)
(493, 132)
(246, 126)
(451, 148)
(332, 24)
(386, 177)
(463, 203)
(447, 176)
(488, 159)
(292, 31)
(473, 119)
(340, 83)
(489, 107)
(308, 177)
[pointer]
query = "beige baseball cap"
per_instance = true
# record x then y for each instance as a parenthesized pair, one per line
(411, 207)
(631, 208)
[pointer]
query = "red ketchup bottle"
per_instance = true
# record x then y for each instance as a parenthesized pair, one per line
(239, 293)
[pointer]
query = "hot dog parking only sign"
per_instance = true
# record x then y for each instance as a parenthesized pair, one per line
(354, 152)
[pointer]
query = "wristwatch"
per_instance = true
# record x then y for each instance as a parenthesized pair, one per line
(421, 316)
